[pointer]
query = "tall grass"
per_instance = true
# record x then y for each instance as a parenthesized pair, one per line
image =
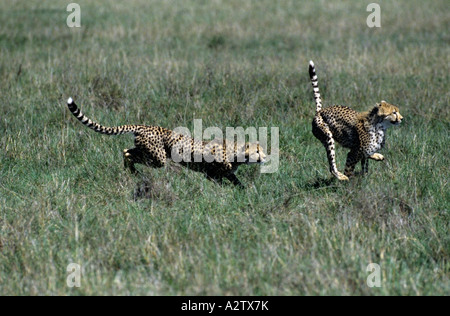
(65, 198)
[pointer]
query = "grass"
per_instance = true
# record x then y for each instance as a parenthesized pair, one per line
(65, 198)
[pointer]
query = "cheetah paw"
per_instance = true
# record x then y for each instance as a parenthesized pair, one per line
(341, 177)
(377, 157)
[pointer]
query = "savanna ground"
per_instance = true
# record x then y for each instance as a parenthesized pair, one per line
(65, 197)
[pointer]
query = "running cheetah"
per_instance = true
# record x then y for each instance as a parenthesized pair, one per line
(363, 133)
(155, 145)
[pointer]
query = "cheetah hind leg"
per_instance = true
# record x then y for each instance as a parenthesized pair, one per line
(353, 157)
(323, 133)
(130, 158)
(331, 154)
(138, 155)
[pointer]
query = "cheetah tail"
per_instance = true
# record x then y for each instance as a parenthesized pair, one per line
(315, 84)
(95, 126)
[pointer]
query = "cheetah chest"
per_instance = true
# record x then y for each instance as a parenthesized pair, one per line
(377, 135)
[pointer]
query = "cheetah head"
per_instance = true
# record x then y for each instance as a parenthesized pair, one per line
(389, 113)
(253, 153)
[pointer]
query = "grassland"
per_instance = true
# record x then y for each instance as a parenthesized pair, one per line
(65, 197)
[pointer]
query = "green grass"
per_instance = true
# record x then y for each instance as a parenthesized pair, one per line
(65, 197)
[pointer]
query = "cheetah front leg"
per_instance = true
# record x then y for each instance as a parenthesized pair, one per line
(215, 179)
(365, 161)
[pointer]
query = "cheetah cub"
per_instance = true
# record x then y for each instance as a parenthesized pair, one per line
(155, 145)
(363, 133)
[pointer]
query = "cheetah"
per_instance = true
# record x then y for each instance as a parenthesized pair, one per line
(363, 133)
(155, 145)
